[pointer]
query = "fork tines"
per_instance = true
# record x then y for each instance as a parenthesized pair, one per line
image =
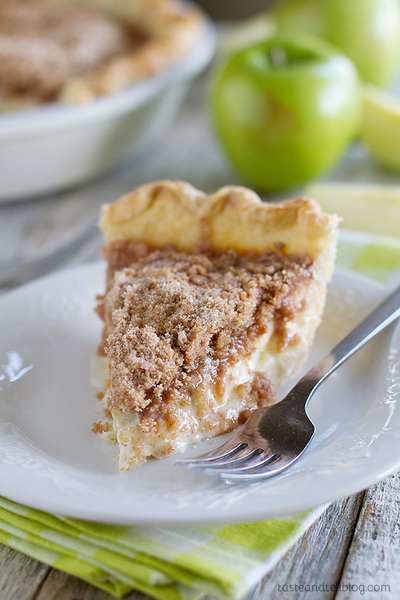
(233, 462)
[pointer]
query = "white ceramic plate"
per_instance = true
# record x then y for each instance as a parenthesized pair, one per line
(49, 459)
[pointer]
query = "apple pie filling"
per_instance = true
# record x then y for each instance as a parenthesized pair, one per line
(184, 336)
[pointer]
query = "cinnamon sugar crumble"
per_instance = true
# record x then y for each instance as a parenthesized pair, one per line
(175, 320)
(42, 46)
(101, 427)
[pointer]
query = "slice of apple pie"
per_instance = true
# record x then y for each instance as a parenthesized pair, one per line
(210, 301)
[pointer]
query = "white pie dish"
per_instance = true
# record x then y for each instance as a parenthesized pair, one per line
(58, 146)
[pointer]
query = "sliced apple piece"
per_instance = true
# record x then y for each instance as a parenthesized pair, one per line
(363, 207)
(380, 128)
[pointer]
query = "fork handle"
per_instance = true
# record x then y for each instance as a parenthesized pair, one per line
(381, 317)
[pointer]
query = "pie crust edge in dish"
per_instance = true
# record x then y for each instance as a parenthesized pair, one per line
(174, 213)
(171, 29)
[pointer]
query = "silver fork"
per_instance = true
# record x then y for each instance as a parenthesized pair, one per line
(275, 436)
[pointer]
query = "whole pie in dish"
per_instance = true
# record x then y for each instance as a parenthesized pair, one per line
(210, 302)
(77, 50)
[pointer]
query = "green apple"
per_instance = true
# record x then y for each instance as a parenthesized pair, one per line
(285, 110)
(367, 31)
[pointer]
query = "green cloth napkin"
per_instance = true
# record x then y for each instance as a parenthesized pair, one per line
(169, 563)
(181, 563)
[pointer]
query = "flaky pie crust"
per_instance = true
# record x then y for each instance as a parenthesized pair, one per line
(174, 212)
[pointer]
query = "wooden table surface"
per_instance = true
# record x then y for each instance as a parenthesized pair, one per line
(353, 550)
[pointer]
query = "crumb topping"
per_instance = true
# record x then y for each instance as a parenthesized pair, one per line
(42, 45)
(101, 427)
(174, 319)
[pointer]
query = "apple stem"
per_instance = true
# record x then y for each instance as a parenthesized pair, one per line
(278, 56)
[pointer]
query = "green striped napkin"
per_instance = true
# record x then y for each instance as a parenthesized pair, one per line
(169, 563)
(181, 563)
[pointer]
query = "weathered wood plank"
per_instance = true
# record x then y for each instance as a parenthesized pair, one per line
(60, 586)
(316, 560)
(374, 554)
(20, 575)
